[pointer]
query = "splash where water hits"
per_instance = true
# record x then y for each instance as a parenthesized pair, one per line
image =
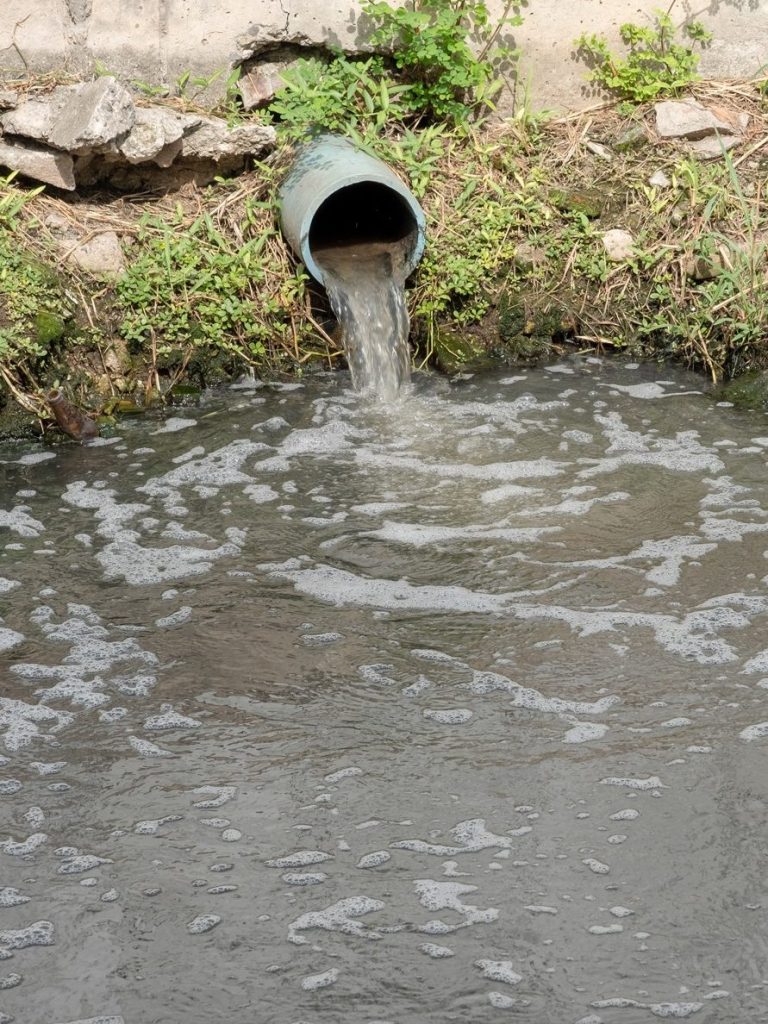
(315, 713)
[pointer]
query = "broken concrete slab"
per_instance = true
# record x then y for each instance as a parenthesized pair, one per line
(687, 119)
(37, 162)
(102, 256)
(213, 139)
(618, 244)
(95, 114)
(35, 117)
(156, 133)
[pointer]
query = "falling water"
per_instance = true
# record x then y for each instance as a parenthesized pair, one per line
(366, 286)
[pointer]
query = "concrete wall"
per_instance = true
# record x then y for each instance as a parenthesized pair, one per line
(157, 40)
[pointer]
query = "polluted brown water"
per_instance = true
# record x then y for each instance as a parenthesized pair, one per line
(366, 287)
(313, 713)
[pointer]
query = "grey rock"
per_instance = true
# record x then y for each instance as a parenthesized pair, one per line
(102, 256)
(38, 162)
(259, 86)
(687, 119)
(213, 139)
(599, 150)
(94, 115)
(714, 146)
(8, 99)
(659, 180)
(156, 135)
(619, 244)
(35, 117)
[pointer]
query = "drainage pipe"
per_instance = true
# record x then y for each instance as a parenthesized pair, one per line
(337, 194)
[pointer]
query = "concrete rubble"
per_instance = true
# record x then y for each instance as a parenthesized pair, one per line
(707, 133)
(80, 134)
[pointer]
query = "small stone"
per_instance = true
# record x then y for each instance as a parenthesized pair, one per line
(619, 244)
(599, 150)
(659, 180)
(8, 99)
(38, 162)
(631, 138)
(258, 87)
(687, 119)
(713, 147)
(101, 256)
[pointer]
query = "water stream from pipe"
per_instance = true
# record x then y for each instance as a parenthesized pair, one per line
(366, 287)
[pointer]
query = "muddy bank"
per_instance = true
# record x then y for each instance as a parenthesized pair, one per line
(594, 232)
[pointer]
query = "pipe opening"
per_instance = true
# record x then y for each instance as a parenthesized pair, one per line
(367, 213)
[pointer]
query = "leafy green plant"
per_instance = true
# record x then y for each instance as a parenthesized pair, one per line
(430, 43)
(657, 63)
(339, 96)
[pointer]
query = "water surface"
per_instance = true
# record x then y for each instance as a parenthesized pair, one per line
(320, 711)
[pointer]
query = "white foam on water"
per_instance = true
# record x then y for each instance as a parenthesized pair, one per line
(21, 722)
(437, 896)
(39, 933)
(499, 970)
(97, 1020)
(628, 814)
(431, 949)
(584, 732)
(9, 638)
(471, 835)
(758, 663)
(203, 923)
(78, 863)
(448, 716)
(620, 911)
(313, 982)
(25, 846)
(374, 860)
(418, 536)
(321, 639)
(596, 866)
(152, 826)
(20, 522)
(10, 897)
(644, 785)
(605, 929)
(339, 917)
(300, 859)
(170, 719)
(213, 796)
(7, 585)
(9, 786)
(536, 908)
(664, 1010)
(343, 773)
(174, 424)
(304, 878)
(501, 471)
(754, 732)
(177, 618)
(231, 835)
(146, 749)
(533, 700)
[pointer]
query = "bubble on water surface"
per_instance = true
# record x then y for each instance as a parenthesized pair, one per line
(40, 933)
(146, 749)
(170, 719)
(213, 796)
(9, 786)
(644, 785)
(343, 773)
(374, 860)
(10, 897)
(435, 951)
(596, 866)
(25, 846)
(339, 917)
(203, 923)
(448, 716)
(10, 981)
(300, 859)
(584, 732)
(499, 970)
(313, 982)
